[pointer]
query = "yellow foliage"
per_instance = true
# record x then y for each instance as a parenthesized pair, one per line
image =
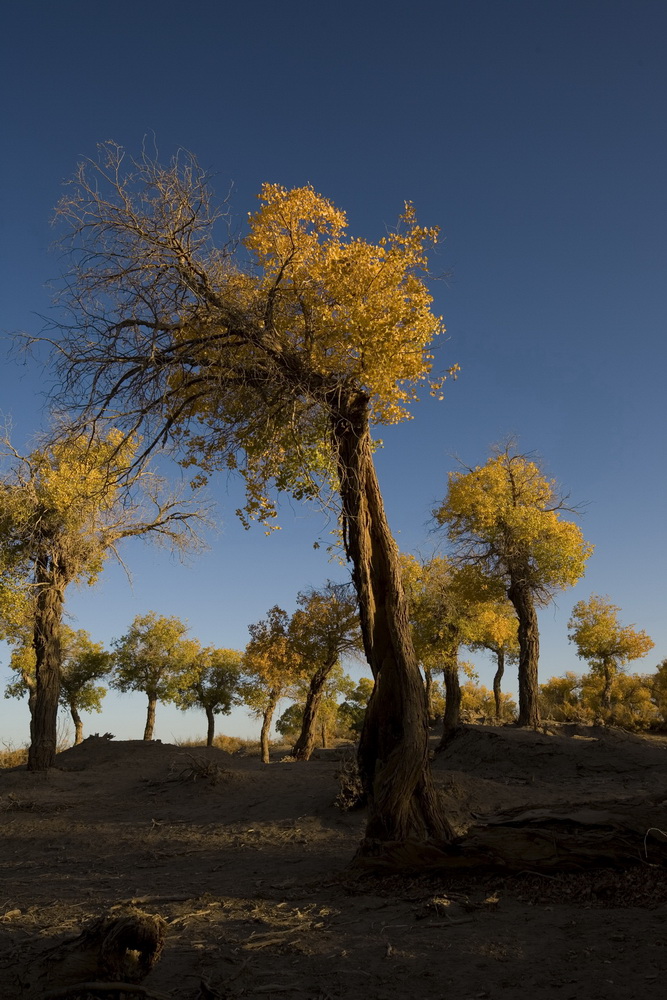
(601, 639)
(507, 516)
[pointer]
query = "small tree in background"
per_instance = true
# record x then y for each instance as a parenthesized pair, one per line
(496, 630)
(63, 510)
(353, 709)
(83, 662)
(151, 658)
(505, 518)
(210, 679)
(321, 630)
(604, 642)
(327, 721)
(271, 668)
(560, 699)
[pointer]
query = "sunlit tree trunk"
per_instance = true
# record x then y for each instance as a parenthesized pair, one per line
(305, 744)
(497, 680)
(428, 684)
(529, 653)
(605, 699)
(150, 716)
(267, 719)
(210, 725)
(452, 718)
(50, 588)
(78, 724)
(393, 750)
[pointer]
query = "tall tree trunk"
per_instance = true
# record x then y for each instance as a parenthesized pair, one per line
(529, 653)
(305, 744)
(78, 724)
(150, 716)
(497, 679)
(267, 718)
(210, 725)
(393, 752)
(50, 586)
(452, 719)
(605, 699)
(428, 684)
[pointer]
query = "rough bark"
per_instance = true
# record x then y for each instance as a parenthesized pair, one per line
(150, 717)
(452, 718)
(428, 684)
(78, 724)
(497, 680)
(210, 725)
(50, 587)
(267, 718)
(529, 653)
(393, 750)
(305, 744)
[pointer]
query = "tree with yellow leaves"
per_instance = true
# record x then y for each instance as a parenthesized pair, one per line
(505, 518)
(273, 359)
(604, 642)
(82, 663)
(63, 510)
(272, 666)
(324, 627)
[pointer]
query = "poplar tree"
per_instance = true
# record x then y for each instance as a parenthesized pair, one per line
(64, 508)
(505, 518)
(274, 358)
(604, 642)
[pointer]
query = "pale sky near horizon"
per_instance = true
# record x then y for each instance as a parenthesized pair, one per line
(532, 133)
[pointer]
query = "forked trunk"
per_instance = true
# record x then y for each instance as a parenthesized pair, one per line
(210, 725)
(529, 653)
(267, 719)
(305, 744)
(452, 719)
(50, 587)
(78, 724)
(150, 717)
(393, 751)
(497, 680)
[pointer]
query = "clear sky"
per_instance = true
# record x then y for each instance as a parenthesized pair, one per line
(533, 133)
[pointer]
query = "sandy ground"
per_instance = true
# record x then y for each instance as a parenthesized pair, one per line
(248, 868)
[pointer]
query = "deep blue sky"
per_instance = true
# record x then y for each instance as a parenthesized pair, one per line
(533, 133)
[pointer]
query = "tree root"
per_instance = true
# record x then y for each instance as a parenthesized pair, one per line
(539, 839)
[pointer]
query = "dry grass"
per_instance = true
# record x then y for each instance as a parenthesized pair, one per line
(13, 756)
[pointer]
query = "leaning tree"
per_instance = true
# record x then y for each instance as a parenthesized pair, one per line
(273, 357)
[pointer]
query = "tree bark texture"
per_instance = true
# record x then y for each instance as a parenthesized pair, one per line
(78, 724)
(150, 717)
(267, 719)
(428, 685)
(452, 718)
(210, 725)
(605, 699)
(497, 680)
(529, 653)
(50, 583)
(393, 750)
(305, 744)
